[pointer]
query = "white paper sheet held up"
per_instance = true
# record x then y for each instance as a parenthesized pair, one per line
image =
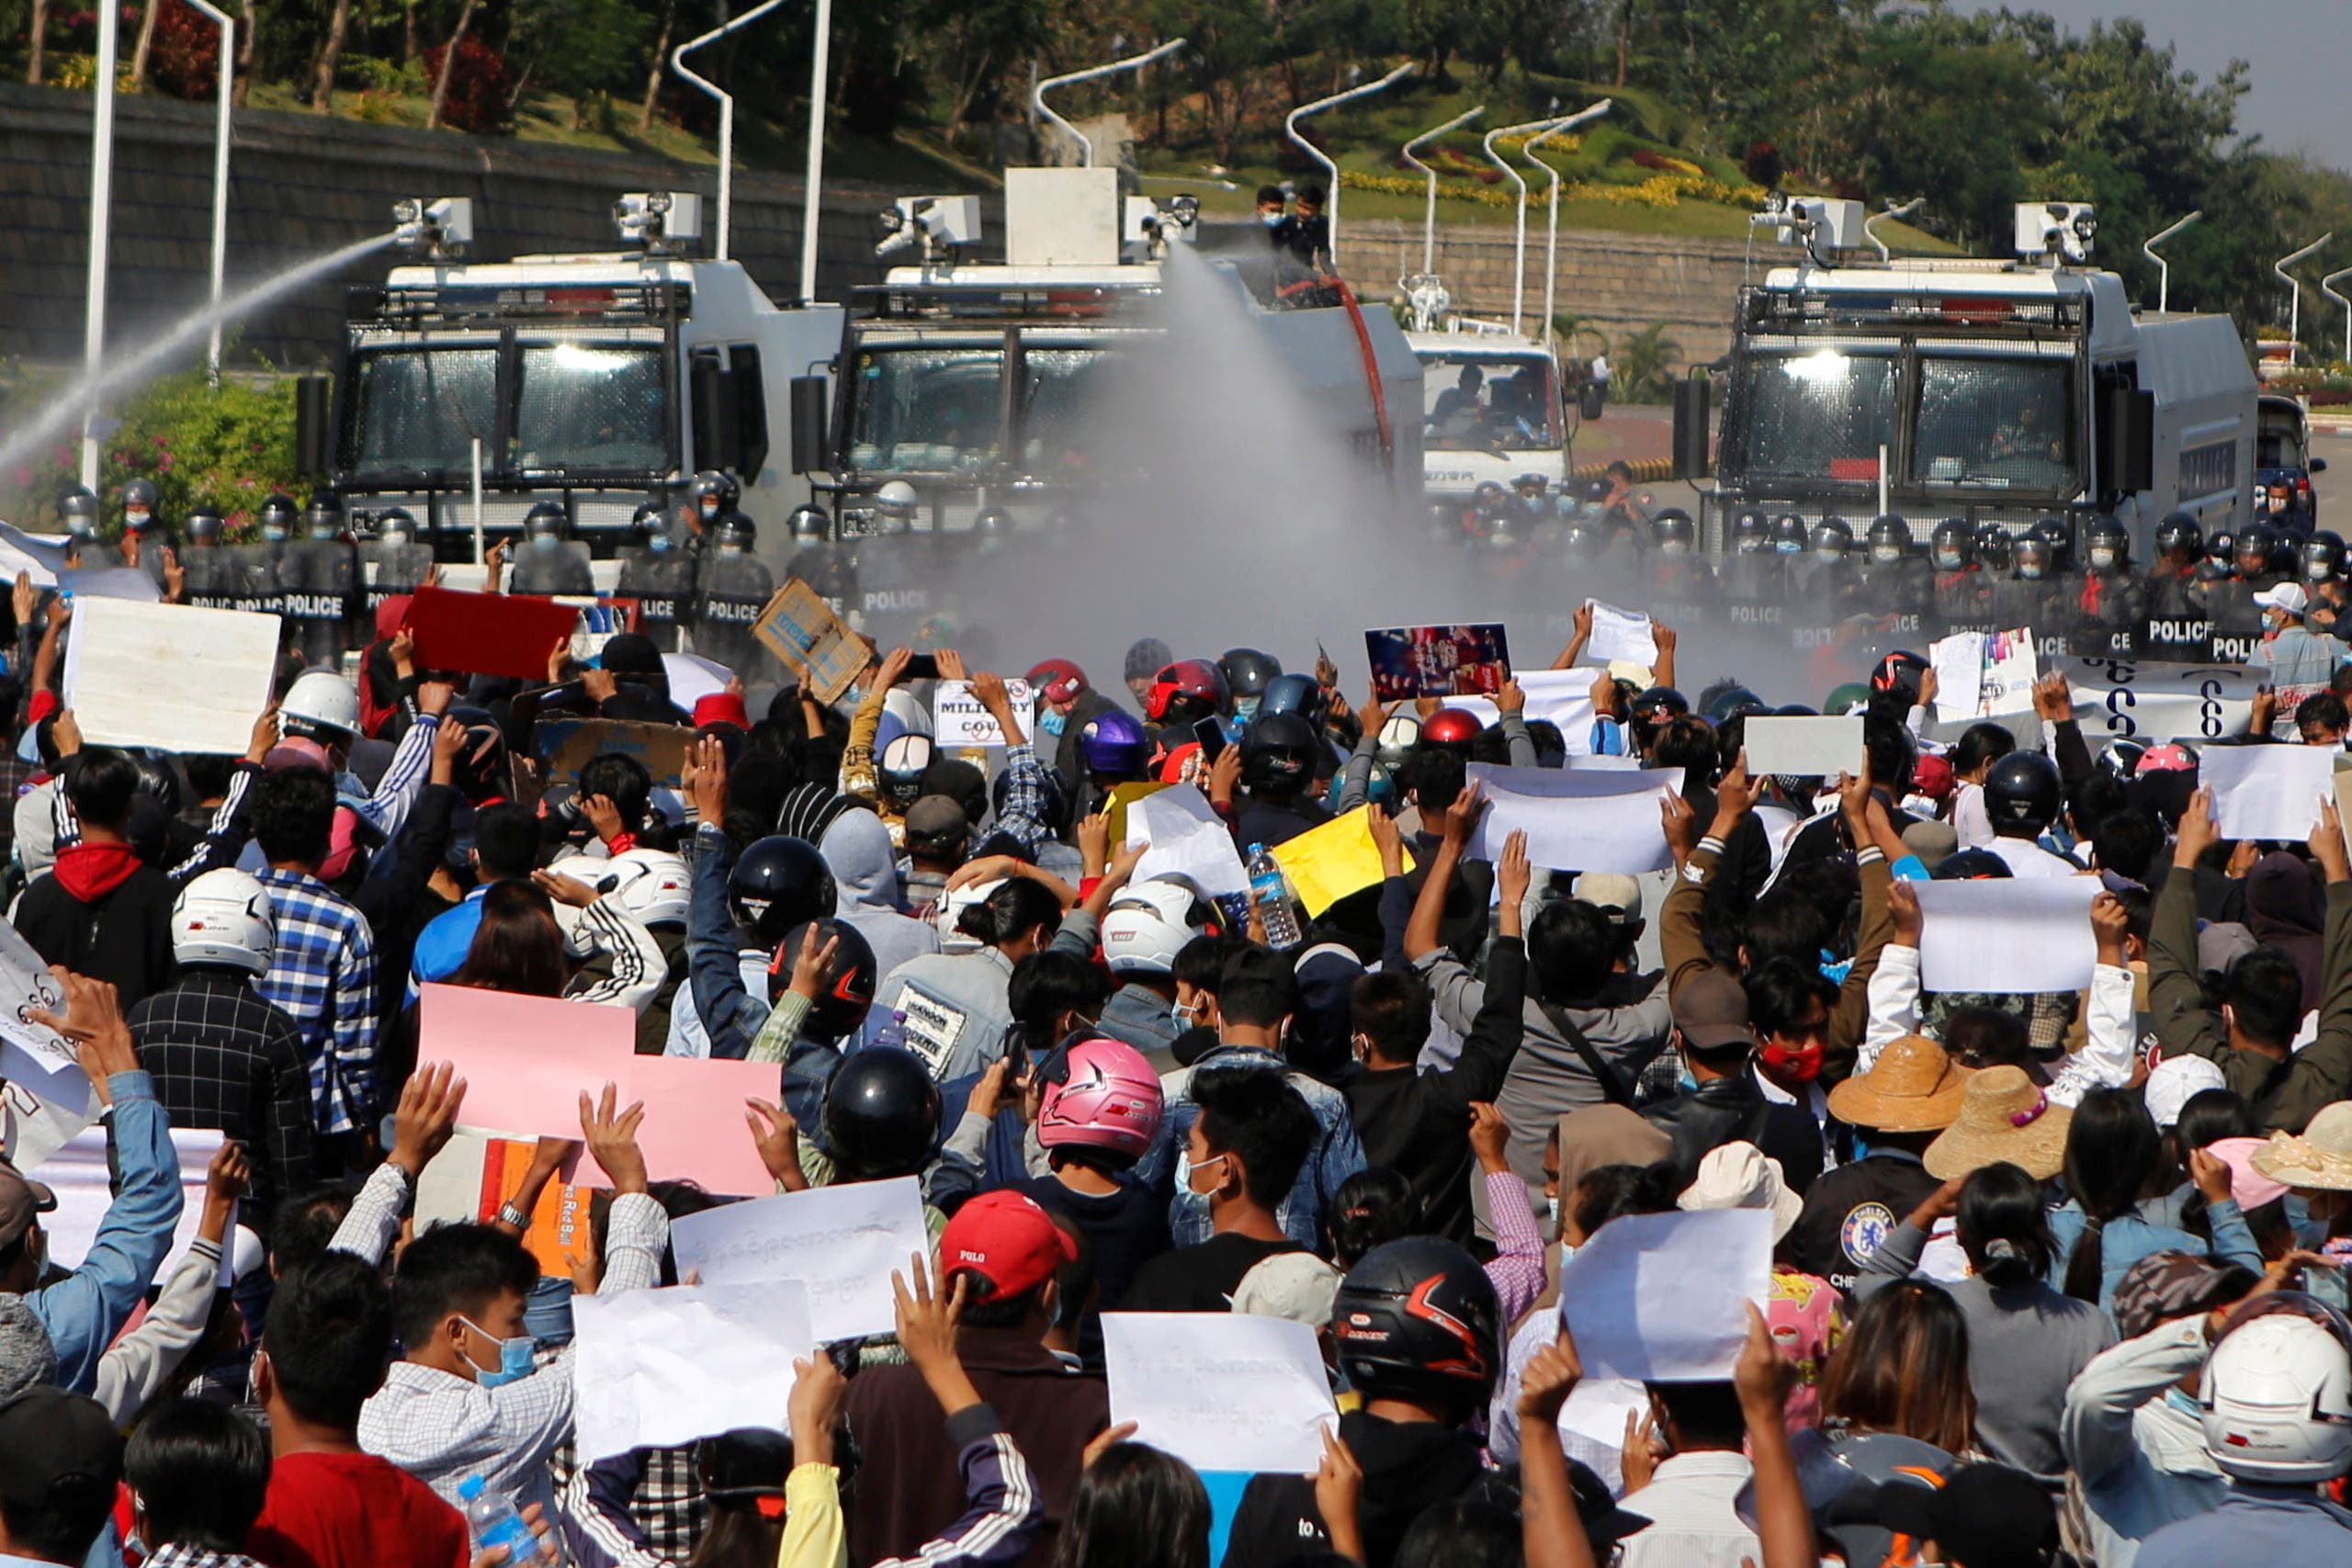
(1619, 633)
(77, 1174)
(1220, 1390)
(1187, 839)
(1658, 1297)
(2266, 791)
(960, 720)
(2007, 934)
(26, 984)
(1576, 818)
(1803, 748)
(1563, 697)
(840, 1242)
(1959, 663)
(118, 647)
(659, 1369)
(693, 678)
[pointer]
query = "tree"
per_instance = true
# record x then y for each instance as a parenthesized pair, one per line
(331, 56)
(448, 62)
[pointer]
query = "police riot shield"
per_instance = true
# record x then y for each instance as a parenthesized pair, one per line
(92, 555)
(549, 566)
(252, 572)
(898, 587)
(150, 549)
(213, 578)
(733, 591)
(318, 578)
(831, 571)
(389, 570)
(662, 583)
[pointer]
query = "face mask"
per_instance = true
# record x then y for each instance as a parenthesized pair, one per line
(544, 542)
(78, 526)
(730, 550)
(1686, 1080)
(1789, 546)
(1828, 553)
(1246, 708)
(1551, 1215)
(2319, 571)
(1185, 1017)
(1752, 547)
(2104, 559)
(274, 532)
(1053, 723)
(394, 540)
(514, 1356)
(709, 505)
(1802, 1063)
(658, 544)
(1886, 555)
(1674, 547)
(1271, 220)
(323, 534)
(1947, 561)
(137, 519)
(1185, 1168)
(2028, 571)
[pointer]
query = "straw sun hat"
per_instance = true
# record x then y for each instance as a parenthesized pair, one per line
(1912, 1088)
(2004, 1115)
(2320, 1160)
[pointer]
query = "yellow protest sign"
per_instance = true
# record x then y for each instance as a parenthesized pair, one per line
(1325, 865)
(1119, 798)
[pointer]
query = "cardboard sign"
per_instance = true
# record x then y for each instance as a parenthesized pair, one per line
(116, 649)
(840, 1243)
(960, 720)
(802, 631)
(568, 745)
(1437, 661)
(488, 633)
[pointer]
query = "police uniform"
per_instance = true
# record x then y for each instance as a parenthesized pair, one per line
(662, 583)
(318, 579)
(548, 569)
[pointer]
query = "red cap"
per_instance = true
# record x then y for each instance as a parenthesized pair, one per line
(1005, 1238)
(721, 708)
(1932, 777)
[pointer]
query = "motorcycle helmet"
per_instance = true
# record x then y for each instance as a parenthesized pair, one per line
(900, 765)
(1900, 670)
(881, 1115)
(1186, 691)
(1247, 671)
(2275, 1395)
(1056, 680)
(777, 884)
(1278, 754)
(652, 886)
(1294, 693)
(1114, 746)
(225, 917)
(1453, 728)
(1890, 539)
(1657, 706)
(1147, 925)
(1107, 1098)
(847, 992)
(2023, 794)
(1419, 1319)
(2119, 759)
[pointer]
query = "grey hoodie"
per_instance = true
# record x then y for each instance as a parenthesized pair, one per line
(864, 863)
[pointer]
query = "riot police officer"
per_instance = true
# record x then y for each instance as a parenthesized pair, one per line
(829, 569)
(2321, 563)
(658, 574)
(2113, 599)
(1962, 588)
(2172, 583)
(209, 574)
(1895, 580)
(145, 544)
(2031, 594)
(1750, 576)
(319, 577)
(1681, 582)
(548, 562)
(79, 513)
(394, 562)
(896, 583)
(732, 588)
(1823, 585)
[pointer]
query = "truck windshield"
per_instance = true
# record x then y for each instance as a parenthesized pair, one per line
(2278, 436)
(1820, 414)
(1060, 388)
(1987, 420)
(420, 409)
(590, 406)
(1486, 402)
(926, 410)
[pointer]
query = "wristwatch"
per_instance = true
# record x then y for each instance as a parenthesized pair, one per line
(508, 1214)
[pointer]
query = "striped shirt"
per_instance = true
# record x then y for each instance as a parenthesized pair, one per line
(324, 979)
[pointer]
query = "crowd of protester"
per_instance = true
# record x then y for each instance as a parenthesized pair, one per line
(2055, 1275)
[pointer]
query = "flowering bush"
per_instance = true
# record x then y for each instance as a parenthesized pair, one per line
(1663, 189)
(185, 59)
(478, 84)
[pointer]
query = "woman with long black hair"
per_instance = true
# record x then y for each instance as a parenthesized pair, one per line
(2114, 1162)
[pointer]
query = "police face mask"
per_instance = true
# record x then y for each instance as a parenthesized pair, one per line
(2030, 571)
(1789, 546)
(393, 538)
(730, 550)
(324, 532)
(1271, 220)
(1749, 544)
(1828, 553)
(1887, 555)
(1675, 547)
(544, 542)
(274, 532)
(139, 519)
(514, 1356)
(658, 544)
(2102, 558)
(1947, 561)
(2317, 571)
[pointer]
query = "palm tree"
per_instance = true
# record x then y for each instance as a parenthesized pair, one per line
(1644, 366)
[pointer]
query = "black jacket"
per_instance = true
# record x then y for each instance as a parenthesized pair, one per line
(1851, 1210)
(1733, 1109)
(1418, 1124)
(1408, 1467)
(123, 936)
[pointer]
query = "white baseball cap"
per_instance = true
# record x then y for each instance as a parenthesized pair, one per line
(2287, 596)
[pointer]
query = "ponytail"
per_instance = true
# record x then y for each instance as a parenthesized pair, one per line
(2087, 1264)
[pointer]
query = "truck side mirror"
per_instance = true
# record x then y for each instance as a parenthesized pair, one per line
(2127, 430)
(808, 455)
(718, 423)
(313, 425)
(1690, 456)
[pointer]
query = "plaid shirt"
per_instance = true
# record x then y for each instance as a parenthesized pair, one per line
(325, 980)
(178, 1555)
(223, 1058)
(1026, 808)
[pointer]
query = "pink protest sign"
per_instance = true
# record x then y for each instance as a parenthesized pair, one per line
(694, 1127)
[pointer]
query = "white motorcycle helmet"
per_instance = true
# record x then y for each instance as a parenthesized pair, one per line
(2277, 1393)
(952, 905)
(1148, 924)
(321, 700)
(224, 916)
(651, 887)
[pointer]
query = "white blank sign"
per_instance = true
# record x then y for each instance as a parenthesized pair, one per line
(659, 1369)
(1220, 1390)
(1662, 1298)
(169, 676)
(1803, 748)
(2266, 791)
(2007, 934)
(1577, 819)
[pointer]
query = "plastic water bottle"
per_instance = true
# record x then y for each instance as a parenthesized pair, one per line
(1271, 895)
(892, 1034)
(493, 1521)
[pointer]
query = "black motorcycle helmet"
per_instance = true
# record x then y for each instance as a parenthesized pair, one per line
(2023, 794)
(1832, 538)
(2059, 534)
(1901, 670)
(2035, 558)
(78, 510)
(841, 1006)
(1751, 534)
(2323, 556)
(1247, 671)
(1296, 694)
(2252, 551)
(1673, 532)
(1953, 544)
(322, 519)
(1890, 538)
(278, 512)
(1278, 754)
(139, 505)
(158, 780)
(2178, 532)
(881, 1115)
(1658, 705)
(1419, 1319)
(778, 884)
(204, 524)
(715, 494)
(2108, 543)
(1994, 544)
(545, 521)
(2119, 759)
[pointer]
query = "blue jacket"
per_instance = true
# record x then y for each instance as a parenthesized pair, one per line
(1337, 1154)
(86, 1309)
(2128, 1238)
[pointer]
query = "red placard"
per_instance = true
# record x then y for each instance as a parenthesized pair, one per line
(488, 633)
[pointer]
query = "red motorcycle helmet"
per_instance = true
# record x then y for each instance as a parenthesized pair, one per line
(1187, 690)
(1056, 680)
(1453, 727)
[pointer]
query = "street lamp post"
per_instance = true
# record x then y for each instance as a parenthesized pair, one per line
(727, 129)
(2164, 268)
(2295, 294)
(1552, 201)
(1429, 215)
(93, 305)
(1330, 169)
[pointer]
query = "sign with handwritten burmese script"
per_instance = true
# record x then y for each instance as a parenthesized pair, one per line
(841, 1242)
